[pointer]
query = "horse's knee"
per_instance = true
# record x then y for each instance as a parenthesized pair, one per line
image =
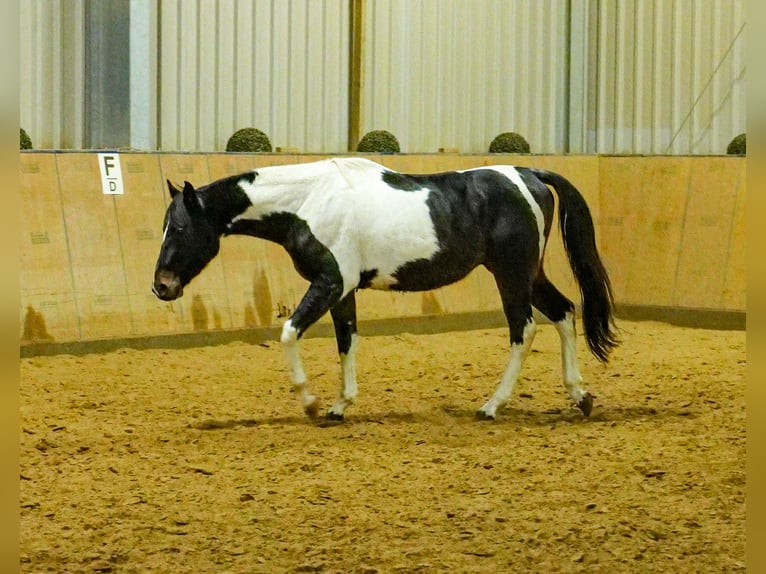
(289, 334)
(524, 335)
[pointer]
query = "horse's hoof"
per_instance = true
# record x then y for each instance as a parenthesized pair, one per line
(331, 416)
(312, 409)
(482, 416)
(586, 404)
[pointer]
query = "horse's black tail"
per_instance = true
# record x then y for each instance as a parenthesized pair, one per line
(580, 244)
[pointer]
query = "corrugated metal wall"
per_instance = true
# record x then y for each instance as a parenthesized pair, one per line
(648, 76)
(581, 76)
(671, 76)
(278, 65)
(450, 73)
(51, 72)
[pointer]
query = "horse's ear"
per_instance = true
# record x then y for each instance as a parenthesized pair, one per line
(172, 189)
(192, 202)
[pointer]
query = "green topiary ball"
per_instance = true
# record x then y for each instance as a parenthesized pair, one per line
(509, 142)
(737, 146)
(249, 140)
(25, 142)
(380, 141)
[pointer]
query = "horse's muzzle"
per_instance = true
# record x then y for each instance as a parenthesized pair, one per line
(167, 286)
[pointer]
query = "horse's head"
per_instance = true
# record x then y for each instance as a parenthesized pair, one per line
(189, 242)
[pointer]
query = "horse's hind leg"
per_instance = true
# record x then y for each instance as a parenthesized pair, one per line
(344, 321)
(561, 311)
(518, 311)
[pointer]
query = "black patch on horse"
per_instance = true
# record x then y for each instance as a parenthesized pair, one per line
(310, 256)
(366, 277)
(402, 181)
(224, 199)
(469, 211)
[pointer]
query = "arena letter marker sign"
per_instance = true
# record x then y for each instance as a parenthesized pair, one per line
(111, 174)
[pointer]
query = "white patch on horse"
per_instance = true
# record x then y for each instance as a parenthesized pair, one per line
(365, 223)
(513, 174)
(571, 372)
(348, 378)
(393, 226)
(290, 344)
(519, 352)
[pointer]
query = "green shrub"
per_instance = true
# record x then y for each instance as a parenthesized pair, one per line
(380, 141)
(25, 141)
(249, 140)
(737, 146)
(509, 142)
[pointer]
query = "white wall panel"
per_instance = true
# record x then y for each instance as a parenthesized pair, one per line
(660, 76)
(51, 68)
(451, 73)
(647, 76)
(671, 76)
(277, 65)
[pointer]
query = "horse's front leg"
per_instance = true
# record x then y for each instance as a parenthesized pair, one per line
(321, 296)
(344, 321)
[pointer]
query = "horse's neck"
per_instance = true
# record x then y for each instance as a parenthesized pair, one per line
(285, 188)
(277, 193)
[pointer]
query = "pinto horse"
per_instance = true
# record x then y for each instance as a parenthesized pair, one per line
(350, 223)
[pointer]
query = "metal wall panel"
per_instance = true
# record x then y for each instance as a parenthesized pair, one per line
(51, 66)
(671, 76)
(451, 73)
(277, 65)
(649, 76)
(578, 76)
(107, 74)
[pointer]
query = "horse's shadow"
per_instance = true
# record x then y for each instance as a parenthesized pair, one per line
(450, 414)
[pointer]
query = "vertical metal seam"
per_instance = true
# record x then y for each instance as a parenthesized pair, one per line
(122, 262)
(87, 74)
(69, 252)
(742, 171)
(289, 65)
(223, 267)
(597, 77)
(235, 74)
(58, 57)
(178, 138)
(689, 191)
(272, 84)
(306, 80)
(158, 108)
(567, 126)
(195, 68)
(658, 70)
(217, 96)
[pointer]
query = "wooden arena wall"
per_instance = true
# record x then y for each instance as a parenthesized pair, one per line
(671, 231)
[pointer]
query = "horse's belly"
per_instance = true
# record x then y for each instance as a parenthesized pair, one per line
(423, 275)
(417, 263)
(385, 250)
